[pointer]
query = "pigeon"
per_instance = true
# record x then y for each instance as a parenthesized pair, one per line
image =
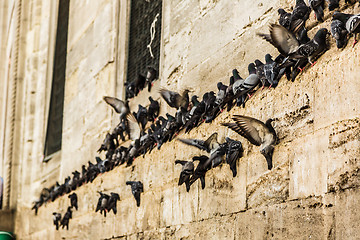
(249, 83)
(142, 116)
(299, 16)
(256, 132)
(174, 99)
(210, 145)
(200, 144)
(139, 84)
(220, 96)
(119, 106)
(130, 89)
(352, 23)
(289, 46)
(75, 180)
(186, 172)
(153, 110)
(318, 7)
(66, 218)
(37, 204)
(107, 144)
(333, 4)
(56, 219)
(285, 18)
(102, 203)
(151, 75)
(136, 188)
(111, 205)
(201, 169)
(73, 201)
(234, 151)
(339, 32)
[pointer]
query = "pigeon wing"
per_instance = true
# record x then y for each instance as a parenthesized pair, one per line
(135, 128)
(117, 104)
(284, 40)
(200, 144)
(170, 97)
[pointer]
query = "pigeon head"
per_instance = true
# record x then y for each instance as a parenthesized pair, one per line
(251, 68)
(219, 85)
(321, 34)
(115, 196)
(281, 11)
(268, 58)
(258, 63)
(267, 152)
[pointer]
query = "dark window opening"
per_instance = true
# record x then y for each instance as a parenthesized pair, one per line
(55, 119)
(143, 14)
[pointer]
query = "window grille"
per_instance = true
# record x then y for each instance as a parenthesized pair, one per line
(143, 13)
(55, 119)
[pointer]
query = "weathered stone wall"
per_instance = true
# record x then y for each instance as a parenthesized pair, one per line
(313, 189)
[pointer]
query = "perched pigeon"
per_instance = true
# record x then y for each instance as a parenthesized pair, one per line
(234, 151)
(139, 83)
(285, 18)
(136, 189)
(142, 116)
(66, 218)
(257, 133)
(352, 23)
(151, 75)
(102, 203)
(153, 110)
(107, 144)
(174, 99)
(56, 219)
(111, 205)
(119, 106)
(318, 7)
(73, 201)
(250, 83)
(299, 16)
(186, 172)
(339, 32)
(333, 4)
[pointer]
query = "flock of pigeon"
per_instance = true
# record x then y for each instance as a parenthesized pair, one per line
(296, 51)
(133, 88)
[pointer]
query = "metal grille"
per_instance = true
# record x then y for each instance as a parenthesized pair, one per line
(143, 14)
(54, 126)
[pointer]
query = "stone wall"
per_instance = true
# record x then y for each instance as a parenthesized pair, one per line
(313, 189)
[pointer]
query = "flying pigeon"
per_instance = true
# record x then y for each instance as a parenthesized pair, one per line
(136, 188)
(111, 205)
(73, 201)
(234, 151)
(66, 218)
(56, 219)
(186, 172)
(289, 46)
(119, 106)
(256, 132)
(201, 169)
(102, 203)
(174, 99)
